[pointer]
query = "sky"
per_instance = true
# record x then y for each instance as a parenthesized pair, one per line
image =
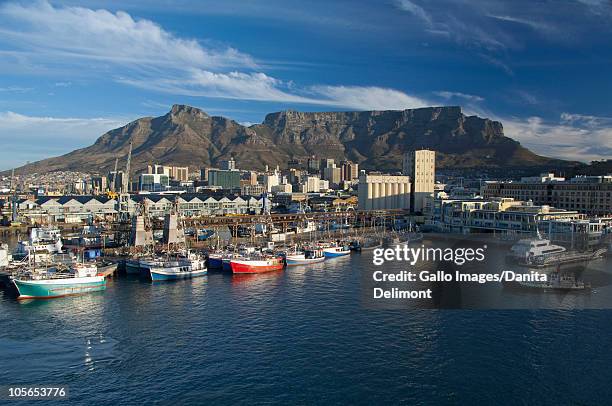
(69, 71)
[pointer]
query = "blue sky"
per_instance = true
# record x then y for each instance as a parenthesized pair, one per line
(70, 71)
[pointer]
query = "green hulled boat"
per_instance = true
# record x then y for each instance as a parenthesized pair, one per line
(79, 279)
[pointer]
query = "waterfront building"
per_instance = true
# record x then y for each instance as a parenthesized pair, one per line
(153, 182)
(420, 165)
(591, 195)
(497, 215)
(224, 179)
(380, 192)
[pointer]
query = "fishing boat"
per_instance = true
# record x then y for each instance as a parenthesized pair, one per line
(215, 261)
(256, 265)
(334, 252)
(190, 267)
(309, 256)
(51, 283)
(43, 243)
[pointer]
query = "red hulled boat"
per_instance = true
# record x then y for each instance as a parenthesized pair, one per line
(256, 265)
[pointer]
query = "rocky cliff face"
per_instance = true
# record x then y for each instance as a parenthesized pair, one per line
(187, 136)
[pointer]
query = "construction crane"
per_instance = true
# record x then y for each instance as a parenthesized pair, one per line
(126, 181)
(112, 193)
(124, 198)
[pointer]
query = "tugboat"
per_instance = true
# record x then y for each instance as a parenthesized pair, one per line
(52, 283)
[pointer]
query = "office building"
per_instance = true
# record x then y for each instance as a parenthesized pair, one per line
(333, 175)
(350, 170)
(153, 182)
(224, 179)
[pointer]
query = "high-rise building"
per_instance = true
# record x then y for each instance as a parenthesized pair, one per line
(180, 173)
(311, 185)
(312, 165)
(224, 179)
(228, 164)
(326, 163)
(153, 182)
(350, 170)
(420, 165)
(270, 180)
(333, 175)
(383, 192)
(98, 184)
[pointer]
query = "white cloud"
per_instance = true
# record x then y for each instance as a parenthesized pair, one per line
(416, 10)
(446, 95)
(30, 138)
(78, 33)
(574, 137)
(150, 57)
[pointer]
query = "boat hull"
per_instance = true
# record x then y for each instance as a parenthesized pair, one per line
(300, 260)
(132, 267)
(248, 267)
(215, 262)
(46, 289)
(169, 275)
(336, 254)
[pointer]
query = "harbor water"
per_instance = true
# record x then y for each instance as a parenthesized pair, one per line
(302, 336)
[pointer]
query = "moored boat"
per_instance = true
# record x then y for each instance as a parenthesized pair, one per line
(309, 256)
(256, 265)
(79, 279)
(190, 267)
(333, 252)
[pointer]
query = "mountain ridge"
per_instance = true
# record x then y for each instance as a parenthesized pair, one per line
(188, 136)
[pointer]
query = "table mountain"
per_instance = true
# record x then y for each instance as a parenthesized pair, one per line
(187, 136)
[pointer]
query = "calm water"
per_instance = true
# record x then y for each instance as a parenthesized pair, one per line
(299, 336)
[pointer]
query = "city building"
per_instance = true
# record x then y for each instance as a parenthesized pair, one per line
(224, 179)
(333, 175)
(312, 165)
(178, 173)
(270, 180)
(350, 170)
(325, 163)
(253, 190)
(591, 195)
(311, 184)
(99, 184)
(380, 192)
(228, 164)
(420, 165)
(282, 188)
(153, 182)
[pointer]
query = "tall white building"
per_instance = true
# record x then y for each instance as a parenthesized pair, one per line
(384, 192)
(420, 165)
